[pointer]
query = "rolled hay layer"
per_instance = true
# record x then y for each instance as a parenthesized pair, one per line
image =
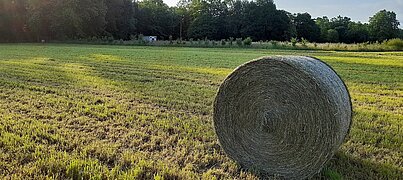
(283, 115)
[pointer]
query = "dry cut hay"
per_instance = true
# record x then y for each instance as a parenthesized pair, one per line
(283, 115)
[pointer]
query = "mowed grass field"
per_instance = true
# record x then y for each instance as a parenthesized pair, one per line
(118, 112)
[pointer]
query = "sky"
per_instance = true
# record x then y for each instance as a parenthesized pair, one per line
(357, 10)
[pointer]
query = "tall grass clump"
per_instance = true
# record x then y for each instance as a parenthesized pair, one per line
(304, 42)
(396, 44)
(247, 41)
(294, 42)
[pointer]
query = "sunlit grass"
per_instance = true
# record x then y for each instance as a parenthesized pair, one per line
(81, 111)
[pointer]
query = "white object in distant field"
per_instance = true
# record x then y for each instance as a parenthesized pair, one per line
(150, 38)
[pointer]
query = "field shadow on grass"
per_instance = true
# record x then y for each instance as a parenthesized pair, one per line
(345, 166)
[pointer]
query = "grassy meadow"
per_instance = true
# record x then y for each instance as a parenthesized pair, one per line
(124, 112)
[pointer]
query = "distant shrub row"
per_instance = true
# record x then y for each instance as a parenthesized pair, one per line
(389, 45)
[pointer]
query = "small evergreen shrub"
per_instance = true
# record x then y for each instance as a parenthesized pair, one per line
(247, 41)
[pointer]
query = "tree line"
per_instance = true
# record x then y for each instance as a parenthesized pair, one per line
(36, 20)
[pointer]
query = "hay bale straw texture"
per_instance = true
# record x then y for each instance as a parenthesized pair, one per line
(283, 115)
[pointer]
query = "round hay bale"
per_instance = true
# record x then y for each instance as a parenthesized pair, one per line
(283, 115)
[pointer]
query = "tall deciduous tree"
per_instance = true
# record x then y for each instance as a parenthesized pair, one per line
(120, 18)
(332, 36)
(156, 18)
(65, 19)
(383, 25)
(183, 14)
(13, 20)
(340, 24)
(209, 19)
(259, 20)
(306, 27)
(30, 20)
(235, 18)
(357, 32)
(324, 26)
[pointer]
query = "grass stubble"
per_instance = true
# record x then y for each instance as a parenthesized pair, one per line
(118, 112)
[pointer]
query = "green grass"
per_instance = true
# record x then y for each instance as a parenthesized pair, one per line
(118, 112)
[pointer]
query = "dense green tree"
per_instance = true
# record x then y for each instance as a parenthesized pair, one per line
(340, 24)
(332, 36)
(324, 26)
(357, 32)
(209, 20)
(5, 20)
(259, 20)
(264, 22)
(306, 27)
(347, 31)
(286, 29)
(120, 18)
(235, 19)
(34, 20)
(39, 19)
(383, 25)
(65, 19)
(203, 26)
(13, 20)
(156, 18)
(182, 11)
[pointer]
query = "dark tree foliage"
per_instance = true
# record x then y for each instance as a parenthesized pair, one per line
(332, 36)
(340, 24)
(324, 26)
(347, 31)
(259, 18)
(306, 27)
(120, 19)
(65, 19)
(287, 29)
(156, 18)
(13, 21)
(383, 25)
(36, 20)
(235, 18)
(182, 11)
(209, 19)
(357, 32)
